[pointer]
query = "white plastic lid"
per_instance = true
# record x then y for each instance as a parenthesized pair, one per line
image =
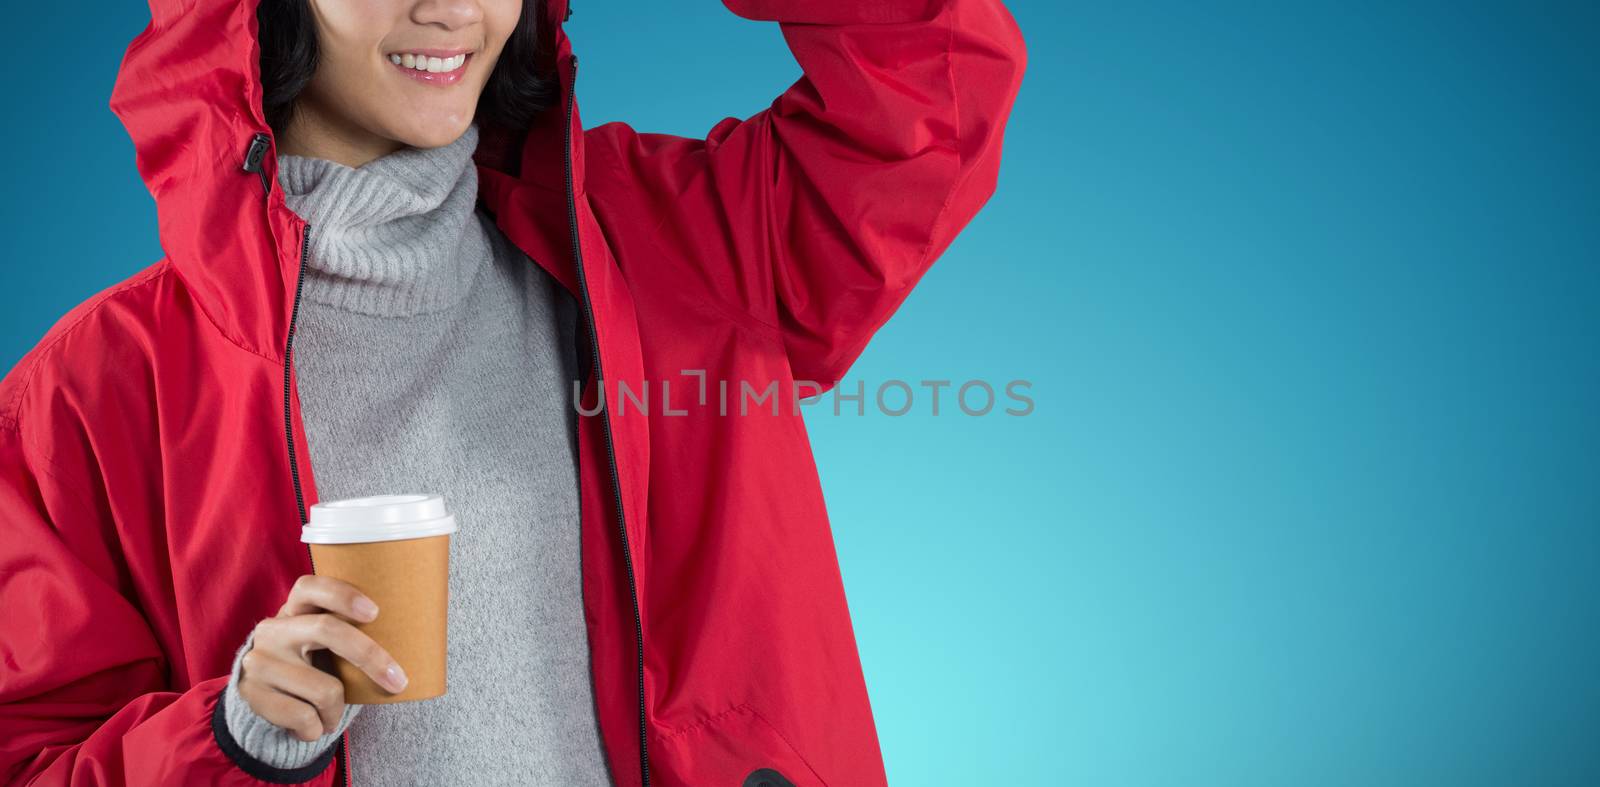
(377, 518)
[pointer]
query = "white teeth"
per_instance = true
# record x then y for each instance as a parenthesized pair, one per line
(433, 65)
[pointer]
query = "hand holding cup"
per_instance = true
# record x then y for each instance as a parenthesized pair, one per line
(278, 675)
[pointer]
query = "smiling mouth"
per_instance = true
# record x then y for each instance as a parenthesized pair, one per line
(431, 67)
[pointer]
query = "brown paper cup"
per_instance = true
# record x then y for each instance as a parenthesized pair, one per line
(409, 580)
(396, 550)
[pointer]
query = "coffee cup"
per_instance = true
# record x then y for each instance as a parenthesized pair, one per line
(395, 549)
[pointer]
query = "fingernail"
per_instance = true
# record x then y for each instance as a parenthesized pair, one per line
(395, 677)
(364, 608)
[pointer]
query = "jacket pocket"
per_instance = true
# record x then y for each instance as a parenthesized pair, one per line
(736, 748)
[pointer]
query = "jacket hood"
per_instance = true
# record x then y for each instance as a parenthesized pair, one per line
(189, 93)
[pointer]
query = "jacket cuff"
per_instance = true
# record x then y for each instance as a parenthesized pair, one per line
(837, 12)
(263, 749)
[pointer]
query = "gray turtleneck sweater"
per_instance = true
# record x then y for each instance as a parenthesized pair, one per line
(433, 356)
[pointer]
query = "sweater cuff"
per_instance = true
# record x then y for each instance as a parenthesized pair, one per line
(267, 743)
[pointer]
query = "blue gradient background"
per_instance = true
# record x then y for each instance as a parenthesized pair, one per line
(1308, 296)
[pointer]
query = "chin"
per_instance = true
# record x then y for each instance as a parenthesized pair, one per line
(435, 135)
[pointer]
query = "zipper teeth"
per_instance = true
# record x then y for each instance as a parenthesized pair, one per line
(611, 454)
(288, 351)
(288, 432)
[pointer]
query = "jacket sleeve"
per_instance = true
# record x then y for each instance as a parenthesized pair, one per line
(817, 215)
(84, 694)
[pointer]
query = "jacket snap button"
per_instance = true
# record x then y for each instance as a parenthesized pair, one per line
(766, 777)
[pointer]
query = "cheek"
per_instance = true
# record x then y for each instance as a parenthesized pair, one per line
(349, 32)
(347, 49)
(500, 18)
(344, 76)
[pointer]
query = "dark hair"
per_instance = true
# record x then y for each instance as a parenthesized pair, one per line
(514, 95)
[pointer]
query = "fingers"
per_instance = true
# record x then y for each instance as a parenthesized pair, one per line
(312, 593)
(290, 713)
(277, 677)
(293, 638)
(299, 681)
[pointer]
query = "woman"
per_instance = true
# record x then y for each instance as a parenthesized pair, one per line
(388, 272)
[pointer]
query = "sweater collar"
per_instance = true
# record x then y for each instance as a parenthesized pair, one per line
(397, 236)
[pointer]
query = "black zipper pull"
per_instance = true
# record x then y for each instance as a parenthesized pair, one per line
(253, 155)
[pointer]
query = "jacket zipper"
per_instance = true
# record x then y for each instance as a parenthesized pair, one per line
(611, 454)
(288, 432)
(253, 163)
(288, 351)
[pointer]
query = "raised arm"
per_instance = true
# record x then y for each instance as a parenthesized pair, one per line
(817, 215)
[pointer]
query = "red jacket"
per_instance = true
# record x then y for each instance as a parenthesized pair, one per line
(153, 466)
